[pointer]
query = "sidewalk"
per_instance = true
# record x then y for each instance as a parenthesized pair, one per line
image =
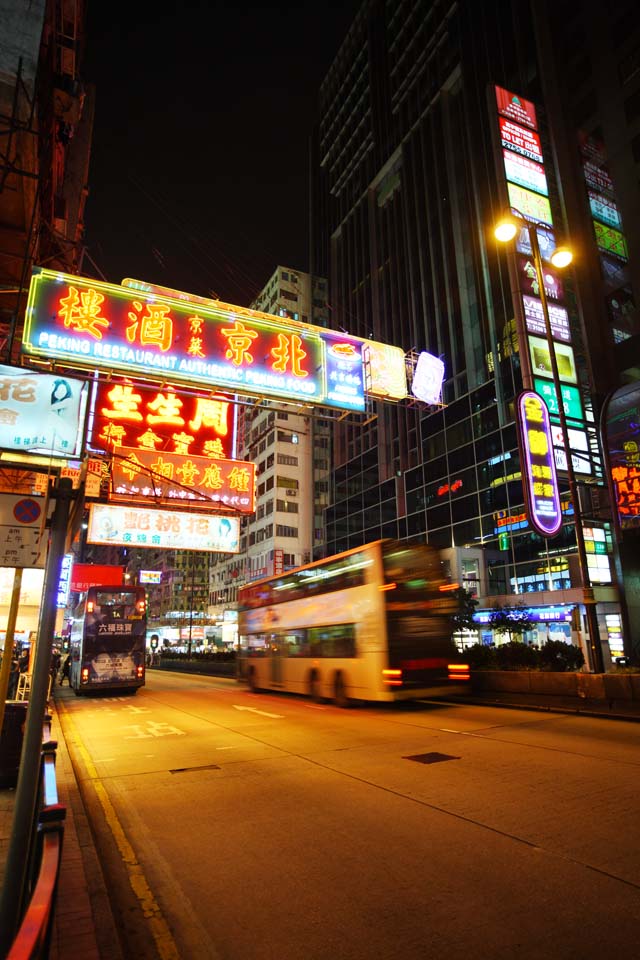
(83, 927)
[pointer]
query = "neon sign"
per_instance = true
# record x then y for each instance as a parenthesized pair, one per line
(171, 478)
(125, 415)
(538, 465)
(626, 480)
(94, 325)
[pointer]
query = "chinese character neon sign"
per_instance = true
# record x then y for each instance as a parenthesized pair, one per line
(94, 325)
(538, 465)
(143, 474)
(127, 415)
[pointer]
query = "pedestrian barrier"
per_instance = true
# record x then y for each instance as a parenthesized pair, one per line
(33, 938)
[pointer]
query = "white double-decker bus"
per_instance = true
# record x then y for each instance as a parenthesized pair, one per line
(373, 623)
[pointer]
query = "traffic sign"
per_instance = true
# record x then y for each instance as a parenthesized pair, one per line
(27, 510)
(23, 539)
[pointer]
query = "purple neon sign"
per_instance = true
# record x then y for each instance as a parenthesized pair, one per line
(539, 477)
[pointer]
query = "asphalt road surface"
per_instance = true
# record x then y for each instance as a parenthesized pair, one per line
(268, 827)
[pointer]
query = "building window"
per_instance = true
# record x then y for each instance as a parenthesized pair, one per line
(285, 276)
(287, 295)
(286, 506)
(282, 531)
(287, 461)
(289, 482)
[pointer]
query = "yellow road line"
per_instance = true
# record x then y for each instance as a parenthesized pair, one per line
(151, 911)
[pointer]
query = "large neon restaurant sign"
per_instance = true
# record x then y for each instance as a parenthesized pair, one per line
(93, 325)
(538, 465)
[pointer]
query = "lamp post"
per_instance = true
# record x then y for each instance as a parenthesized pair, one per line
(506, 230)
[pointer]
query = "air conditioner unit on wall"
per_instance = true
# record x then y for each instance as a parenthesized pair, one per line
(292, 493)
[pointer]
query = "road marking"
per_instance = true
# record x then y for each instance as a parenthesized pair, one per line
(263, 713)
(152, 729)
(150, 910)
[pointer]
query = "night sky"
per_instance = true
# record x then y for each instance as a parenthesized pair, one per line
(199, 163)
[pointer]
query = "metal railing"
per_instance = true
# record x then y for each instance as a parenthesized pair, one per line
(33, 938)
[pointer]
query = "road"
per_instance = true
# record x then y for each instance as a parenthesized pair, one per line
(265, 827)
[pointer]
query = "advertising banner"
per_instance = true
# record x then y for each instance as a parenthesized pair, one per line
(85, 575)
(162, 529)
(541, 359)
(525, 172)
(558, 316)
(520, 140)
(516, 108)
(41, 413)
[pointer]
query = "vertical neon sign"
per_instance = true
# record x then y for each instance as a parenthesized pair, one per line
(538, 464)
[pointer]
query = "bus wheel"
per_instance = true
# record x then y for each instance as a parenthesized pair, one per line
(314, 687)
(340, 697)
(251, 680)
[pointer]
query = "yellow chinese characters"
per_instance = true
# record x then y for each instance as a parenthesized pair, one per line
(81, 312)
(154, 328)
(289, 351)
(239, 339)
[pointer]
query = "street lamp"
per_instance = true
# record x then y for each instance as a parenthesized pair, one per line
(505, 230)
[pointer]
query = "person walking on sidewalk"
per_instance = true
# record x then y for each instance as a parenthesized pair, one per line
(66, 669)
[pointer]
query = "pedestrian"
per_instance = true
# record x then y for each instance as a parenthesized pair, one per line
(13, 678)
(66, 670)
(55, 663)
(23, 661)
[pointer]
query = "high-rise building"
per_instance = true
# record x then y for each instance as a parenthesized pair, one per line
(291, 449)
(46, 122)
(409, 179)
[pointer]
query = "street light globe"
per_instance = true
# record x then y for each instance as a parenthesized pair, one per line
(561, 257)
(505, 229)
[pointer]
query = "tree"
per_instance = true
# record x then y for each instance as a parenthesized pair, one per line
(512, 620)
(466, 605)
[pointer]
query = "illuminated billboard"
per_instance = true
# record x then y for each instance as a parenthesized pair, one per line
(149, 576)
(41, 413)
(558, 317)
(124, 415)
(85, 575)
(520, 140)
(532, 205)
(541, 359)
(385, 365)
(427, 378)
(162, 529)
(538, 465)
(99, 326)
(570, 398)
(175, 478)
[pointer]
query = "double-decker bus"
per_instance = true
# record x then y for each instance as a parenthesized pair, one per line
(108, 638)
(373, 623)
